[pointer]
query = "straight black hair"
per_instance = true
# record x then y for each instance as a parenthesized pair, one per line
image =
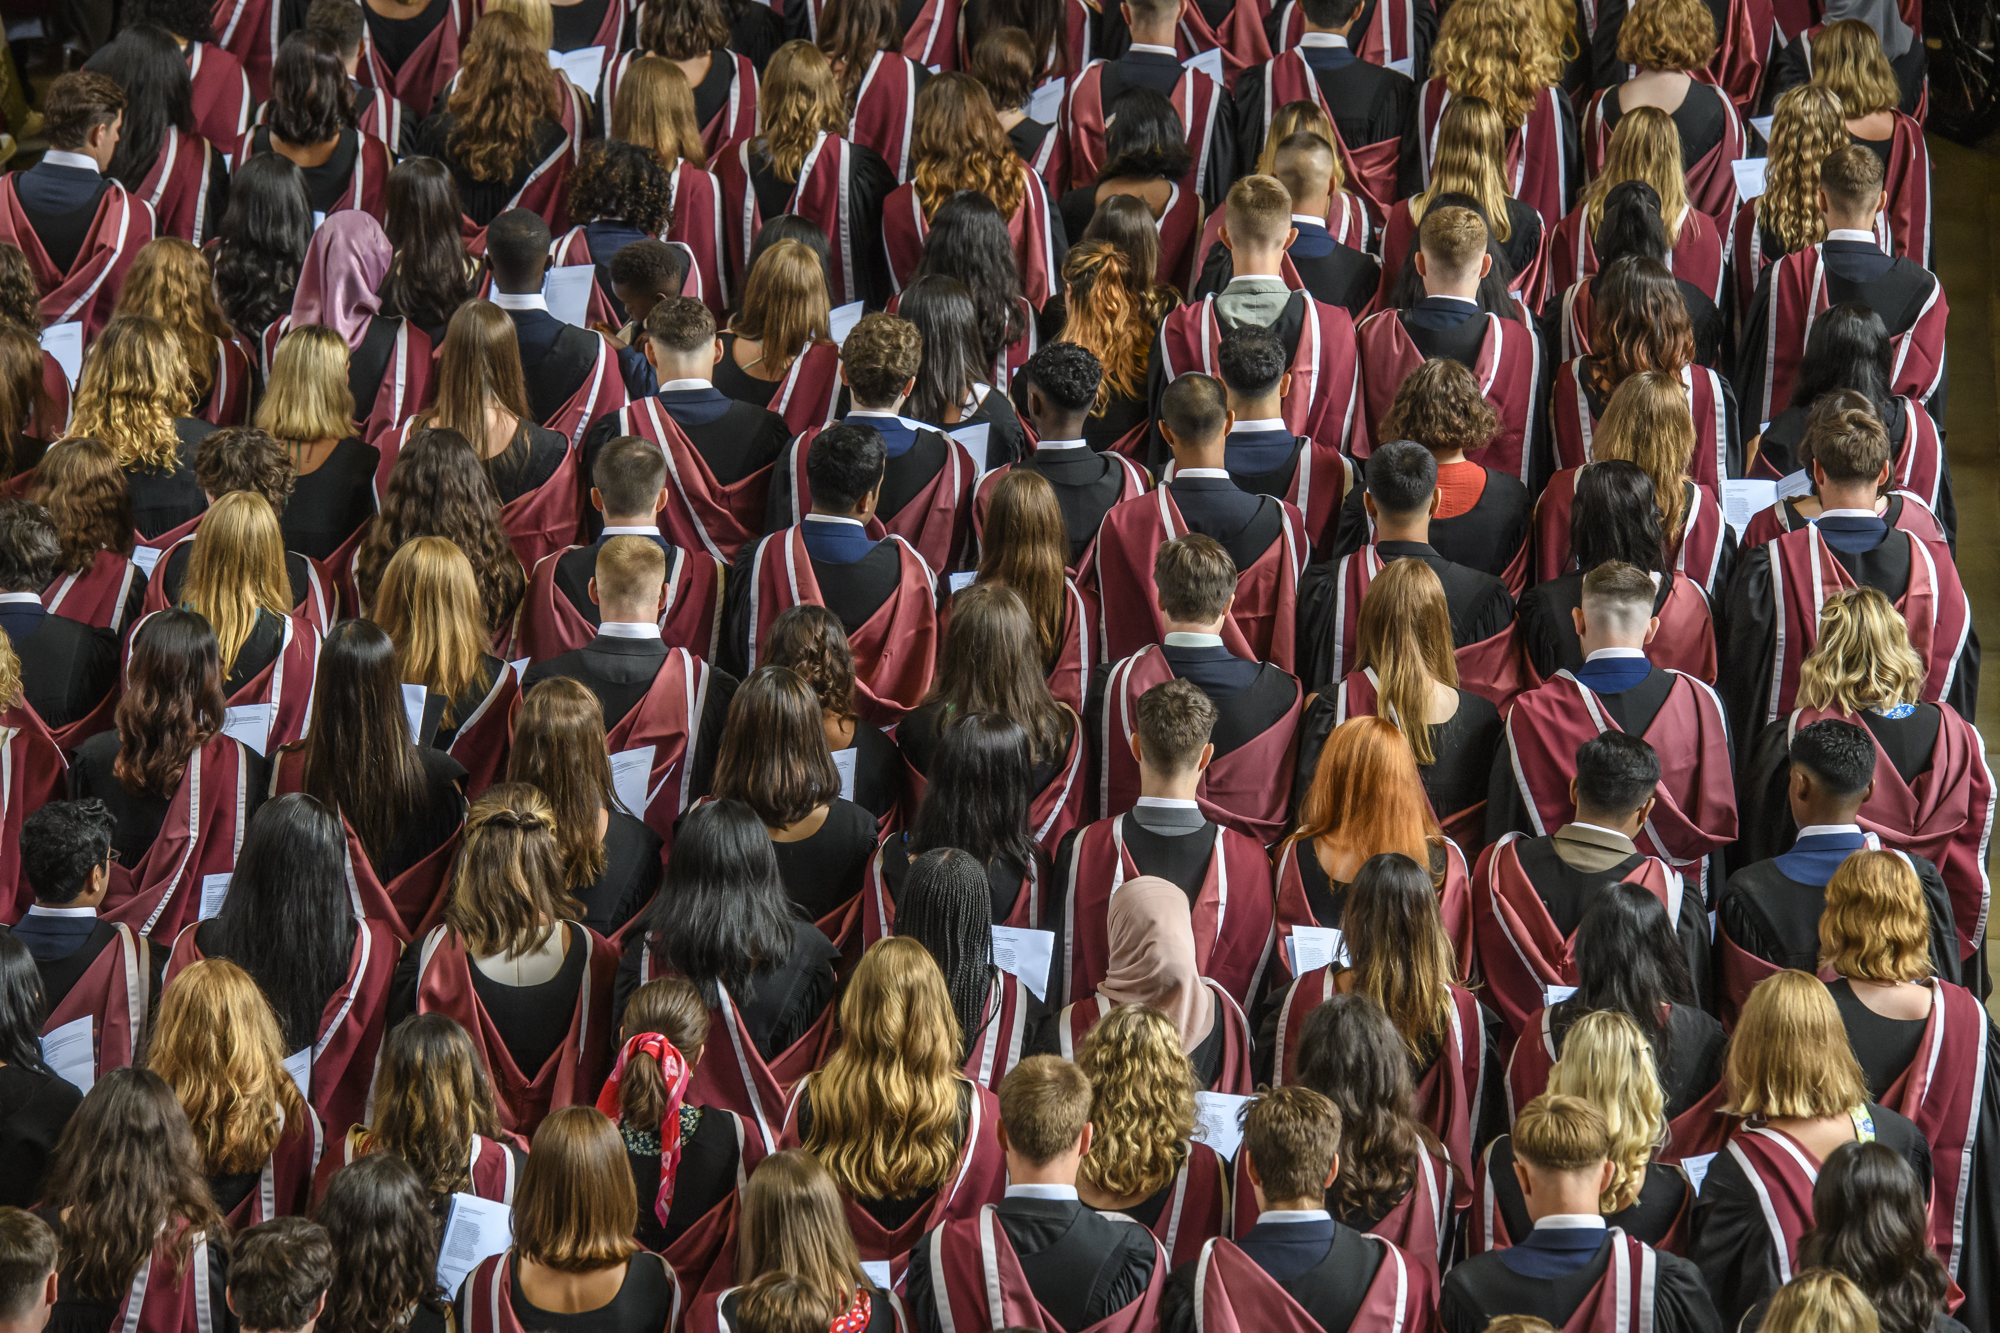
(360, 759)
(1617, 517)
(1143, 136)
(943, 312)
(1630, 225)
(21, 1006)
(147, 63)
(428, 281)
(979, 792)
(968, 241)
(722, 914)
(1629, 959)
(1848, 348)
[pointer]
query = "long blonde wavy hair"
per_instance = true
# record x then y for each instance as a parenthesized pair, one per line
(236, 570)
(799, 100)
(1405, 637)
(134, 383)
(1484, 50)
(1847, 61)
(957, 144)
(1648, 422)
(1607, 1061)
(1805, 127)
(429, 605)
(1863, 658)
(170, 281)
(1291, 118)
(216, 1044)
(885, 1109)
(1644, 147)
(1141, 1102)
(1471, 155)
(505, 86)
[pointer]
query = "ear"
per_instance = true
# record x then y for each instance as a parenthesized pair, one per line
(597, 496)
(1084, 1140)
(1526, 1181)
(1000, 1128)
(1485, 263)
(1882, 478)
(665, 588)
(1368, 504)
(229, 1299)
(1605, 1175)
(1652, 628)
(1207, 756)
(909, 387)
(1824, 204)
(1646, 810)
(320, 1308)
(1228, 421)
(1284, 384)
(1881, 201)
(1291, 235)
(1572, 793)
(653, 356)
(718, 353)
(1576, 619)
(594, 599)
(1818, 475)
(1869, 793)
(1437, 501)
(1223, 233)
(660, 500)
(1250, 1170)
(843, 373)
(1134, 743)
(1332, 1173)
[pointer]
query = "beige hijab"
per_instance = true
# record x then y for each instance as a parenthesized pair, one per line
(1153, 958)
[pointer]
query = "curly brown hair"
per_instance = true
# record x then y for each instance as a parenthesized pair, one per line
(623, 182)
(439, 488)
(173, 702)
(81, 485)
(811, 641)
(505, 86)
(683, 29)
(1349, 1052)
(1640, 323)
(244, 458)
(20, 294)
(1440, 407)
(385, 1244)
(957, 144)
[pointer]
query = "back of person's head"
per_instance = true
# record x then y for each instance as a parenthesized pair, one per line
(510, 886)
(650, 268)
(1848, 61)
(956, 142)
(793, 1222)
(680, 326)
(1144, 137)
(1838, 756)
(1629, 959)
(630, 572)
(27, 1269)
(1649, 424)
(1366, 796)
(773, 755)
(429, 606)
(30, 547)
(81, 485)
(431, 1096)
(279, 1272)
(1045, 1107)
(992, 663)
(1851, 178)
(1848, 348)
(1025, 546)
(247, 458)
(1845, 438)
(940, 311)
(617, 181)
(980, 791)
(1404, 638)
(1668, 35)
(811, 641)
(844, 464)
(683, 29)
(1452, 241)
(1306, 166)
(134, 384)
(1561, 1134)
(312, 99)
(1351, 1054)
(1618, 597)
(359, 758)
(1629, 225)
(1820, 1300)
(478, 369)
(440, 487)
(968, 241)
(1402, 478)
(1870, 1222)
(421, 216)
(946, 906)
(1008, 64)
(671, 1007)
(1258, 213)
(384, 1236)
(1142, 1092)
(798, 100)
(61, 844)
(306, 399)
(1863, 658)
(721, 913)
(1640, 321)
(1875, 926)
(1174, 721)
(505, 86)
(1400, 953)
(1440, 407)
(778, 1302)
(1066, 374)
(1645, 146)
(173, 702)
(1195, 408)
(517, 250)
(76, 104)
(880, 358)
(236, 571)
(559, 749)
(1519, 1323)
(1293, 1137)
(341, 20)
(1615, 773)
(1195, 577)
(1329, 13)
(576, 1205)
(1616, 517)
(1789, 1056)
(216, 1043)
(1252, 360)
(22, 1010)
(1607, 1061)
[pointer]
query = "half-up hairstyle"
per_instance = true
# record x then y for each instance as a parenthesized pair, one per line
(510, 889)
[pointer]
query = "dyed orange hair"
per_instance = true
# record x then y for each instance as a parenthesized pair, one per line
(1366, 796)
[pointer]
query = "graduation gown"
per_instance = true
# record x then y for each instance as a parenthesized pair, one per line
(1132, 482)
(977, 1281)
(885, 109)
(1002, 1039)
(113, 995)
(1541, 166)
(1498, 1212)
(1422, 1225)
(1700, 1128)
(823, 194)
(701, 514)
(1197, 99)
(1316, 480)
(666, 719)
(698, 226)
(549, 623)
(1509, 372)
(88, 291)
(1627, 1287)
(1233, 1078)
(177, 188)
(936, 522)
(1705, 553)
(220, 89)
(33, 772)
(904, 229)
(1326, 372)
(737, 117)
(429, 69)
(198, 839)
(1697, 256)
(1711, 182)
(1236, 1295)
(487, 1297)
(248, 32)
(1370, 169)
(1299, 905)
(164, 1298)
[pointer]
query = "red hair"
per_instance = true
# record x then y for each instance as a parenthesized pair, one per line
(1367, 797)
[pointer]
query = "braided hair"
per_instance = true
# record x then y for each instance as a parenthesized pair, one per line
(947, 907)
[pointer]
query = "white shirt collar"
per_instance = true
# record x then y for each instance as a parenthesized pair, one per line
(1323, 39)
(1185, 472)
(56, 157)
(1169, 803)
(629, 629)
(1150, 49)
(1570, 1222)
(1184, 639)
(20, 598)
(834, 518)
(1599, 828)
(1828, 830)
(1615, 652)
(74, 912)
(1269, 280)
(1261, 423)
(1837, 234)
(1282, 1216)
(1848, 513)
(1445, 296)
(874, 412)
(1308, 220)
(1061, 444)
(519, 301)
(1065, 1193)
(674, 386)
(646, 530)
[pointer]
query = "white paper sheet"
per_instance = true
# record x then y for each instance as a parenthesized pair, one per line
(1407, 66)
(631, 778)
(877, 1272)
(64, 342)
(1045, 103)
(964, 579)
(1208, 62)
(71, 1053)
(567, 290)
(145, 557)
(1743, 498)
(1315, 946)
(1697, 1169)
(1026, 954)
(1794, 484)
(319, 219)
(1555, 995)
(974, 439)
(843, 318)
(413, 708)
(476, 1229)
(214, 888)
(583, 66)
(1215, 1121)
(1762, 124)
(1749, 176)
(299, 1064)
(249, 723)
(520, 668)
(843, 764)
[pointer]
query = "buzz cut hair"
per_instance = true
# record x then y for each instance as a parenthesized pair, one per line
(1619, 595)
(1560, 1133)
(1304, 164)
(629, 473)
(1852, 178)
(630, 567)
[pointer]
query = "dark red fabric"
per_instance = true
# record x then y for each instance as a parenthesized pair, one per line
(1698, 553)
(1711, 182)
(1241, 37)
(885, 107)
(821, 195)
(112, 994)
(1697, 256)
(904, 229)
(1326, 376)
(172, 1298)
(1784, 1171)
(550, 625)
(249, 32)
(1798, 297)
(1454, 903)
(1494, 668)
(1421, 1225)
(203, 828)
(1743, 49)
(1536, 170)
(221, 91)
(1942, 1092)
(668, 718)
(1508, 371)
(95, 596)
(697, 225)
(936, 522)
(176, 189)
(701, 513)
(1196, 99)
(979, 1285)
(1238, 1296)
(88, 291)
(428, 71)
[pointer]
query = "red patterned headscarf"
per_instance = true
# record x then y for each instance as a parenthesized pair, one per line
(675, 1073)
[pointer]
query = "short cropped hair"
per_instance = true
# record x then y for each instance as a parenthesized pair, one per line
(245, 458)
(27, 1257)
(1329, 13)
(1519, 1323)
(1840, 756)
(881, 355)
(340, 21)
(630, 567)
(78, 103)
(650, 266)
(1067, 373)
(1304, 164)
(1619, 594)
(1175, 720)
(1293, 1135)
(844, 463)
(1252, 360)
(1195, 408)
(1195, 576)
(1616, 773)
(1561, 1133)
(516, 244)
(1452, 239)
(278, 1270)
(30, 547)
(1045, 1104)
(1844, 436)
(629, 473)
(1852, 178)
(681, 324)
(1402, 477)
(1259, 211)
(61, 843)
(781, 1302)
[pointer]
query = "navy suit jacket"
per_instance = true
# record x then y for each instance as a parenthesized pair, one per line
(1556, 1253)
(1287, 1250)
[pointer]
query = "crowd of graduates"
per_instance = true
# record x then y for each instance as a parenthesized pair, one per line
(960, 665)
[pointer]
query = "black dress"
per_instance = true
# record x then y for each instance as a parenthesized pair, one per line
(776, 1005)
(165, 500)
(34, 1107)
(485, 200)
(644, 1304)
(1696, 1046)
(738, 383)
(530, 459)
(822, 873)
(1464, 745)
(1884, 1046)
(330, 503)
(630, 878)
(138, 818)
(878, 770)
(533, 1021)
(710, 1156)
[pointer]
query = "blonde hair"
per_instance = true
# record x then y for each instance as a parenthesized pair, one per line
(216, 1043)
(237, 570)
(1258, 211)
(1646, 146)
(134, 383)
(1142, 1101)
(1789, 1057)
(170, 281)
(1471, 150)
(1820, 1300)
(1484, 50)
(799, 100)
(1405, 637)
(539, 17)
(1649, 423)
(1672, 36)
(886, 1120)
(1863, 658)
(1607, 1061)
(1847, 61)
(785, 304)
(429, 606)
(1875, 926)
(307, 397)
(1806, 125)
(11, 688)
(1303, 116)
(655, 110)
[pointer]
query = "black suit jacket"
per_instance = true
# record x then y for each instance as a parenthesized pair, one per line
(1080, 1265)
(60, 203)
(67, 667)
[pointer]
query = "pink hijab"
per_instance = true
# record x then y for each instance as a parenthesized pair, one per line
(346, 262)
(1153, 957)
